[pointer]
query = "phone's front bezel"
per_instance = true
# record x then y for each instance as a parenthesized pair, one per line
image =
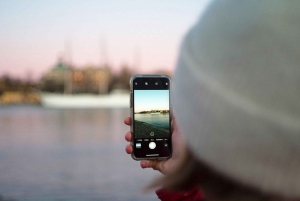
(163, 152)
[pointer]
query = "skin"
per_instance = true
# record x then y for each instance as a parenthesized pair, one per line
(167, 166)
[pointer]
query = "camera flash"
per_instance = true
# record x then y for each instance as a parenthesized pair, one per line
(136, 83)
(156, 83)
(146, 83)
(166, 83)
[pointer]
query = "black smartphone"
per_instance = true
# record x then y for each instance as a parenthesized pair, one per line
(151, 117)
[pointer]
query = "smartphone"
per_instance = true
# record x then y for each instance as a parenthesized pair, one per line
(151, 117)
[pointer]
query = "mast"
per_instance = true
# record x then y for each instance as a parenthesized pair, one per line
(137, 59)
(103, 63)
(68, 65)
(103, 52)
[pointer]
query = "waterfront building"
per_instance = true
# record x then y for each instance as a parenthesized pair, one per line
(91, 80)
(57, 79)
(63, 78)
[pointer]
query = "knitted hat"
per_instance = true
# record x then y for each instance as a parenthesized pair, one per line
(236, 93)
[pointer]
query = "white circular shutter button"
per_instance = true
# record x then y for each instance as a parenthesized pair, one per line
(152, 145)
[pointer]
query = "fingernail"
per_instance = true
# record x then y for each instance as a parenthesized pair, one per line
(144, 164)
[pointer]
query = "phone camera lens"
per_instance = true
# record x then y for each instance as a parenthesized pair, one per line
(136, 83)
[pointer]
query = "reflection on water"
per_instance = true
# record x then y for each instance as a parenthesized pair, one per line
(67, 155)
(36, 125)
(159, 120)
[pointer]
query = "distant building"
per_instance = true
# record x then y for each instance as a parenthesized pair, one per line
(2, 86)
(63, 78)
(57, 79)
(91, 80)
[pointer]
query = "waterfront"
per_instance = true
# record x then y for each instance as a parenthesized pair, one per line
(145, 130)
(159, 120)
(49, 154)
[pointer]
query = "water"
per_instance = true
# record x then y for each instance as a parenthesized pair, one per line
(160, 120)
(49, 154)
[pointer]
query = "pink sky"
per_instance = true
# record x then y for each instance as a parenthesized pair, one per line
(145, 33)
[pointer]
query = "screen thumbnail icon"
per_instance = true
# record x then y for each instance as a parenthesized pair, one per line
(138, 145)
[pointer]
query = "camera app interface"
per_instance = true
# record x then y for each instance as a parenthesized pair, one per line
(151, 114)
(151, 110)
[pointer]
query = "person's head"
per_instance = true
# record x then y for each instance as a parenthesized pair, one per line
(236, 98)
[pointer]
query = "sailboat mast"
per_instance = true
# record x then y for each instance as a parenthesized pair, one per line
(68, 64)
(137, 60)
(103, 56)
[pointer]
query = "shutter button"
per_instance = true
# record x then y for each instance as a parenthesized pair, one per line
(152, 145)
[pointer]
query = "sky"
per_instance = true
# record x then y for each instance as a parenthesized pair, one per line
(145, 100)
(143, 34)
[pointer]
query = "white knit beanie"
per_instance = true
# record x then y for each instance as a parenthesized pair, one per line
(236, 93)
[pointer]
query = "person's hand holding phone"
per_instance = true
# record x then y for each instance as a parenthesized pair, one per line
(165, 166)
(150, 110)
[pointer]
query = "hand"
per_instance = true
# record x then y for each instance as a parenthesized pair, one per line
(167, 166)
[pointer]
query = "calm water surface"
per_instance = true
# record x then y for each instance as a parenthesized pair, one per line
(49, 154)
(160, 120)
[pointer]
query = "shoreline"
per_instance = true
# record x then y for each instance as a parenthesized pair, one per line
(143, 130)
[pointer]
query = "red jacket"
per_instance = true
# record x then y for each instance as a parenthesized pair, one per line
(191, 195)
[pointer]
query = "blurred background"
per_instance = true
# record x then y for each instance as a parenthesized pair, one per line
(64, 81)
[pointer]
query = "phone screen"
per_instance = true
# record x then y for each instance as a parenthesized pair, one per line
(151, 117)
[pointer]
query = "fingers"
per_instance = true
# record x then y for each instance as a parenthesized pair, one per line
(128, 136)
(146, 164)
(127, 121)
(128, 149)
(151, 164)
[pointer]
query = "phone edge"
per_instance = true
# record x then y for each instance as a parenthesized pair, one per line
(131, 114)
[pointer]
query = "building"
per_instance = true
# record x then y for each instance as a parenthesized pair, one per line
(65, 79)
(57, 79)
(91, 80)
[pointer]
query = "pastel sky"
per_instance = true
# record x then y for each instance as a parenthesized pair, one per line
(145, 100)
(144, 33)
